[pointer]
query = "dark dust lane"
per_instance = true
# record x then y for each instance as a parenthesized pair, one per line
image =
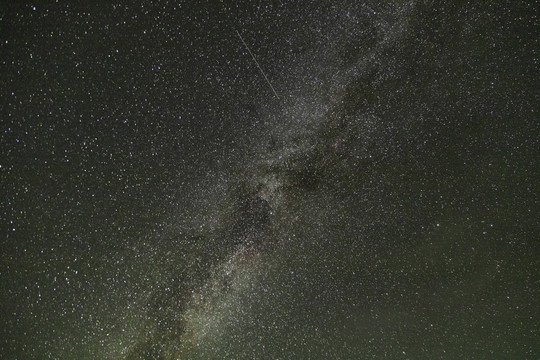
(269, 181)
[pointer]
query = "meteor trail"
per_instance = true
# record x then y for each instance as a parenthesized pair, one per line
(256, 62)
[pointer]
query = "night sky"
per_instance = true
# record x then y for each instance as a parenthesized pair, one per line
(269, 180)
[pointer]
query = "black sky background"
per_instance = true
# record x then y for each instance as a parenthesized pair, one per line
(160, 201)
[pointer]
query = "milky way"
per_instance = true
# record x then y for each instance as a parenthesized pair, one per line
(269, 181)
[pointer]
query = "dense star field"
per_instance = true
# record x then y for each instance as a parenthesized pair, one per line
(269, 180)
